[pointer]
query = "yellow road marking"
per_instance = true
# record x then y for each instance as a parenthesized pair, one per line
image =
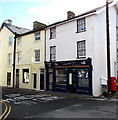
(6, 109)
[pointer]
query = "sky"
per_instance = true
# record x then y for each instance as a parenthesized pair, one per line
(24, 12)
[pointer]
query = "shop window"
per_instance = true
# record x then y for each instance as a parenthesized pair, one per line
(83, 79)
(25, 75)
(8, 78)
(60, 77)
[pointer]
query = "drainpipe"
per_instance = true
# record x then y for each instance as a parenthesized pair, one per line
(108, 46)
(14, 59)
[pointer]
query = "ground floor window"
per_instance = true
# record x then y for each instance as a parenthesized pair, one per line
(61, 77)
(25, 75)
(83, 78)
(8, 78)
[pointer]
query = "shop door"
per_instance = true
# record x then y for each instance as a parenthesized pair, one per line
(72, 82)
(84, 81)
(17, 78)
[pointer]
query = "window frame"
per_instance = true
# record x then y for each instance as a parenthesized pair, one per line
(35, 56)
(37, 37)
(19, 57)
(9, 59)
(52, 53)
(82, 49)
(19, 39)
(82, 24)
(10, 43)
(24, 71)
(53, 33)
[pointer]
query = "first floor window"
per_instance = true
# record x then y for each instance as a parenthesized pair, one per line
(25, 75)
(9, 59)
(53, 53)
(37, 55)
(81, 49)
(19, 57)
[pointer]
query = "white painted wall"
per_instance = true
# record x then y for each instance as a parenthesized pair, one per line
(95, 36)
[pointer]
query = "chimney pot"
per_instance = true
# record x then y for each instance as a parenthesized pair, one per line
(9, 22)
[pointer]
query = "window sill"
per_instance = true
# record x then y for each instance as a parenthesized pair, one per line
(35, 41)
(81, 31)
(36, 62)
(81, 57)
(52, 38)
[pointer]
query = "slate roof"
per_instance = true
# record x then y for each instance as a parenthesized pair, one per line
(15, 29)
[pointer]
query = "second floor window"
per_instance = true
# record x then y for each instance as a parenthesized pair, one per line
(10, 40)
(53, 53)
(37, 55)
(81, 49)
(37, 36)
(19, 41)
(53, 33)
(9, 59)
(19, 57)
(81, 25)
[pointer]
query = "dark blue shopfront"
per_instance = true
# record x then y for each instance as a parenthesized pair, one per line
(69, 76)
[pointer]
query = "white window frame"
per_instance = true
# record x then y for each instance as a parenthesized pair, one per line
(81, 25)
(52, 53)
(35, 57)
(53, 33)
(19, 57)
(37, 36)
(10, 41)
(9, 59)
(81, 49)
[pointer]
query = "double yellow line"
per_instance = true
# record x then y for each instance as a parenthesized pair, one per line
(6, 111)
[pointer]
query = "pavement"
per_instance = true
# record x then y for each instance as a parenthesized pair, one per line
(61, 94)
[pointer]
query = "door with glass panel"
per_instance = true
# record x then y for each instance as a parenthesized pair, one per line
(84, 81)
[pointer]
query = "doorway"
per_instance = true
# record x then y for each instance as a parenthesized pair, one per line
(17, 78)
(35, 81)
(72, 82)
(41, 81)
(8, 78)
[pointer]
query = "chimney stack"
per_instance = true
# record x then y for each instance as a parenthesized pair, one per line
(70, 14)
(9, 22)
(38, 25)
